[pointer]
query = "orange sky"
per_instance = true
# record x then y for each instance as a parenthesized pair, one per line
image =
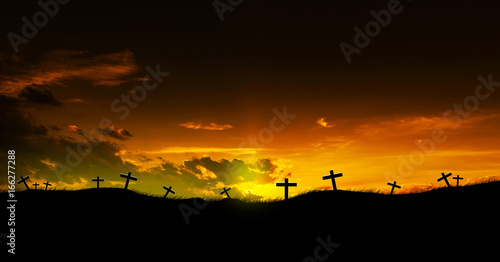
(245, 105)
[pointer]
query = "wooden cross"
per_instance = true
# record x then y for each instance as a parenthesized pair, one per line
(169, 189)
(23, 179)
(36, 184)
(97, 180)
(332, 176)
(225, 191)
(393, 186)
(47, 184)
(286, 185)
(458, 179)
(128, 177)
(445, 177)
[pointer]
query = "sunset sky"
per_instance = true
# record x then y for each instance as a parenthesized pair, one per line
(262, 95)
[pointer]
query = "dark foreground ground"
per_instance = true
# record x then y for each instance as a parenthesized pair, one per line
(447, 223)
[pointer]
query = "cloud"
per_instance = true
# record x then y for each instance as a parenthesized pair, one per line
(323, 123)
(74, 128)
(74, 100)
(422, 126)
(36, 94)
(44, 154)
(212, 126)
(18, 124)
(57, 66)
(120, 134)
(209, 174)
(188, 149)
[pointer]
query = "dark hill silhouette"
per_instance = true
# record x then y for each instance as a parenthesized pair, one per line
(446, 223)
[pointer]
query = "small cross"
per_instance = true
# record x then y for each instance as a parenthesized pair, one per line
(458, 179)
(286, 185)
(128, 177)
(225, 191)
(393, 186)
(169, 189)
(445, 177)
(332, 176)
(36, 184)
(47, 184)
(23, 179)
(97, 180)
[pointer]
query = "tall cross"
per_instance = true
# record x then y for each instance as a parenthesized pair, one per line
(128, 177)
(445, 177)
(458, 179)
(47, 184)
(97, 180)
(393, 186)
(23, 179)
(286, 185)
(36, 184)
(332, 176)
(225, 191)
(169, 189)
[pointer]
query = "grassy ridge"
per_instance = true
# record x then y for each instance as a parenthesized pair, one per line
(368, 225)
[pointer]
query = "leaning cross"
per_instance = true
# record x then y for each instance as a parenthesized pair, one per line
(97, 180)
(445, 177)
(23, 179)
(225, 191)
(393, 186)
(36, 184)
(286, 185)
(47, 184)
(128, 177)
(458, 179)
(332, 176)
(169, 189)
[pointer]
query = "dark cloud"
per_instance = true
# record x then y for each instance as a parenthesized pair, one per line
(144, 159)
(15, 123)
(41, 155)
(40, 95)
(120, 134)
(229, 172)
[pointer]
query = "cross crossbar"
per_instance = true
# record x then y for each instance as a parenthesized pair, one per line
(128, 177)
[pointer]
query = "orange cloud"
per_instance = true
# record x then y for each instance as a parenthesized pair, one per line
(101, 70)
(414, 125)
(73, 128)
(323, 123)
(212, 126)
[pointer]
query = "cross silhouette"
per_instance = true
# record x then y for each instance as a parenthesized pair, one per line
(445, 177)
(225, 191)
(458, 179)
(286, 185)
(332, 176)
(169, 189)
(23, 179)
(128, 177)
(36, 184)
(47, 184)
(97, 180)
(393, 186)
